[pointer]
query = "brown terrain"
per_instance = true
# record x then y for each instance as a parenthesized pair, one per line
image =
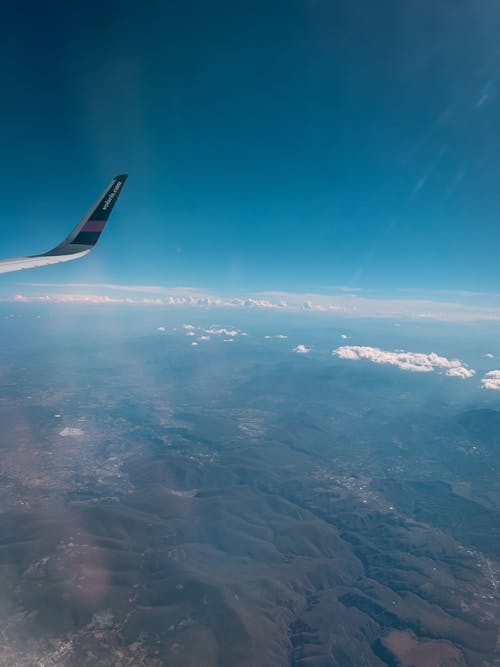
(166, 513)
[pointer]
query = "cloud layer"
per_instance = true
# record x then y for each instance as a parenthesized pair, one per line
(417, 362)
(445, 306)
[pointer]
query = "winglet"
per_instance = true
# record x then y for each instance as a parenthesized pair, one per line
(86, 234)
(82, 238)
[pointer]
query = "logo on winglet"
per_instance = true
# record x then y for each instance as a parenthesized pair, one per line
(111, 196)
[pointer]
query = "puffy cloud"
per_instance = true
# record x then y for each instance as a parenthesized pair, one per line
(417, 362)
(461, 372)
(189, 327)
(162, 329)
(278, 337)
(204, 338)
(222, 331)
(190, 333)
(194, 344)
(488, 355)
(301, 349)
(260, 303)
(491, 380)
(344, 336)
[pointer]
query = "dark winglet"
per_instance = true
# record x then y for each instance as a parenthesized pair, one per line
(82, 238)
(89, 232)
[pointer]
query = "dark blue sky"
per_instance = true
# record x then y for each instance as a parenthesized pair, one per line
(285, 144)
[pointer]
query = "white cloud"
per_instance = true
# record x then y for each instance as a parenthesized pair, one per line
(194, 344)
(461, 372)
(190, 333)
(162, 329)
(344, 336)
(488, 355)
(417, 362)
(204, 338)
(261, 303)
(189, 327)
(301, 349)
(491, 380)
(222, 332)
(278, 337)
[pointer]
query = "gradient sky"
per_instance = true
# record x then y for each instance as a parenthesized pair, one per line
(286, 145)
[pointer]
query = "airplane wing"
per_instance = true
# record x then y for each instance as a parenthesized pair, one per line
(81, 240)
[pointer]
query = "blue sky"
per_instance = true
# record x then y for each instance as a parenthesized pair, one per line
(290, 145)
